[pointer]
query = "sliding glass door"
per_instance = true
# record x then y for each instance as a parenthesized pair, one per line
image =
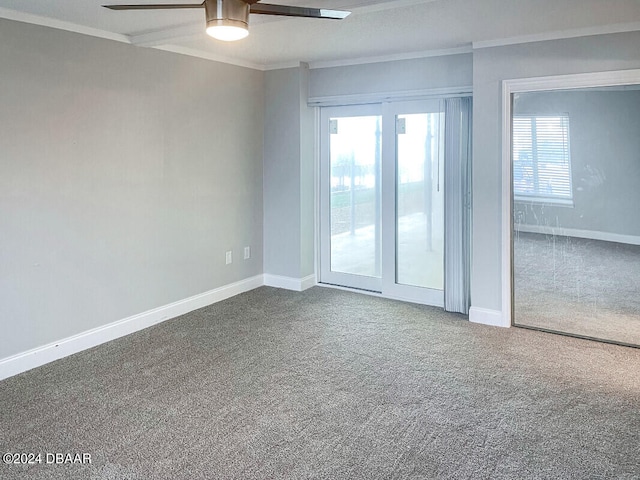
(351, 197)
(382, 199)
(413, 180)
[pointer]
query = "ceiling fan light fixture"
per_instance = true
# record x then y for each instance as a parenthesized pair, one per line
(227, 20)
(227, 32)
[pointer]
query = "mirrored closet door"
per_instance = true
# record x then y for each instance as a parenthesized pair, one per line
(576, 212)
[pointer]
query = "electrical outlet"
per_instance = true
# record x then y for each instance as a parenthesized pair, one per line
(229, 257)
(247, 253)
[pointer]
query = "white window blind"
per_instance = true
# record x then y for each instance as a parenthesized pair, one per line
(541, 159)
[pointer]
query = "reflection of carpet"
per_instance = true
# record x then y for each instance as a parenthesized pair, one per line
(580, 286)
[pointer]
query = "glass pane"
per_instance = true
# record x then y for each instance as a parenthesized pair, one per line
(355, 150)
(576, 244)
(420, 200)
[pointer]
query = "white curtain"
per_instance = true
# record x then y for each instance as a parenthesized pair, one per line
(457, 204)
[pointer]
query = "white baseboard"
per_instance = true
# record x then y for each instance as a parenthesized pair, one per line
(486, 316)
(307, 282)
(36, 357)
(577, 233)
(289, 283)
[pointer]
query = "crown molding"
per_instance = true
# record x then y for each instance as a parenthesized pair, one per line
(280, 66)
(167, 36)
(61, 25)
(559, 35)
(386, 5)
(211, 56)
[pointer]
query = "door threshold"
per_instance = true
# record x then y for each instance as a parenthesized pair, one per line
(350, 289)
(377, 294)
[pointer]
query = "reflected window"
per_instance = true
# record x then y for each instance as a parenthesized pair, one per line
(541, 158)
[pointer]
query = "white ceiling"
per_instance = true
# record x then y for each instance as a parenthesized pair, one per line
(376, 28)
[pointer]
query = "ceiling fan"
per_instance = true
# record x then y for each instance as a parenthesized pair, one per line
(229, 19)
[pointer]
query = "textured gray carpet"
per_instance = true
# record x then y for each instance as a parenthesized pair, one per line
(327, 384)
(579, 286)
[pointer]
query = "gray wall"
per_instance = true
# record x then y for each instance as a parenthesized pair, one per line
(604, 134)
(125, 175)
(398, 76)
(490, 67)
(307, 178)
(288, 174)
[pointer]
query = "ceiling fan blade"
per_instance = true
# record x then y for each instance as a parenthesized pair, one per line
(267, 9)
(157, 6)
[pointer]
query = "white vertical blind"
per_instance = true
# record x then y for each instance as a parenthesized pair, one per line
(541, 157)
(457, 205)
